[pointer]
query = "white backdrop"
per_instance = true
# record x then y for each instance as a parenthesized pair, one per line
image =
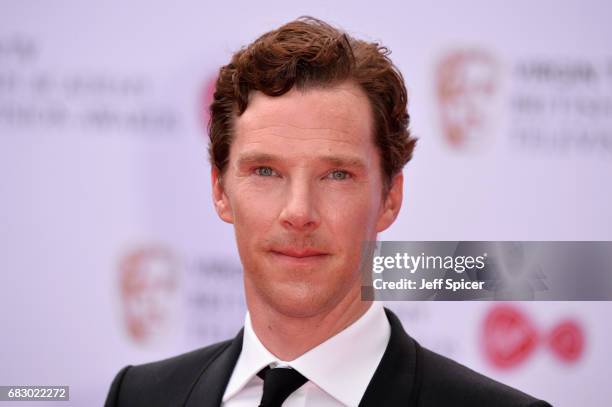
(104, 183)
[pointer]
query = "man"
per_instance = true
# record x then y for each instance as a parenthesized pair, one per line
(309, 134)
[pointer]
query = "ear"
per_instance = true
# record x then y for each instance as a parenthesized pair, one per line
(220, 198)
(392, 204)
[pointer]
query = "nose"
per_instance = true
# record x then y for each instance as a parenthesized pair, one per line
(300, 211)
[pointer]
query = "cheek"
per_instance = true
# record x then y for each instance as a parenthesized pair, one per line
(351, 217)
(254, 214)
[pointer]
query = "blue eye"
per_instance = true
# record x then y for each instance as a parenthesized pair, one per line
(339, 175)
(264, 171)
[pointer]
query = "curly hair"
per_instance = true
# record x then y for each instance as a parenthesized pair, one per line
(308, 53)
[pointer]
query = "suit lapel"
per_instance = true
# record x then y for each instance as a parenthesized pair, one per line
(208, 389)
(396, 381)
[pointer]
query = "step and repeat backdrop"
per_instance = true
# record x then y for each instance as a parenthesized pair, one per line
(110, 249)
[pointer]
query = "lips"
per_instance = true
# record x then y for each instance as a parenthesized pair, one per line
(298, 253)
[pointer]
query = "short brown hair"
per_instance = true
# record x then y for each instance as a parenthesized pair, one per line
(308, 53)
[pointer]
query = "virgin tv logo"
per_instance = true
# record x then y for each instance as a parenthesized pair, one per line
(510, 338)
(206, 98)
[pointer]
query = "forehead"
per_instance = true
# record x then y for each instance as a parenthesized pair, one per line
(332, 118)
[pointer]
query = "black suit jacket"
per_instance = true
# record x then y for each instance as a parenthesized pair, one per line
(408, 375)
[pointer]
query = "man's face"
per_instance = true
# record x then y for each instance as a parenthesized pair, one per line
(303, 188)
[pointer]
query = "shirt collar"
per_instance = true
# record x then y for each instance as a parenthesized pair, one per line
(352, 355)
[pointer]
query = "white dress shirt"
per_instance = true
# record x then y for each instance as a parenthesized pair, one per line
(338, 370)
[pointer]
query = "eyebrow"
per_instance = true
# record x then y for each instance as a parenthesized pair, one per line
(335, 160)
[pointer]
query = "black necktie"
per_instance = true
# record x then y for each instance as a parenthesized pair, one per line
(279, 383)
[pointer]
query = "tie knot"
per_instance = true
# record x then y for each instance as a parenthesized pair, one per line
(279, 383)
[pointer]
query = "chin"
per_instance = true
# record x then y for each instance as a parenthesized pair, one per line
(301, 300)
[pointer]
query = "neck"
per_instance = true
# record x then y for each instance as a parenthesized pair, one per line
(287, 337)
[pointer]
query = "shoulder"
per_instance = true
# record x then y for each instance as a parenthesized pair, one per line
(445, 381)
(165, 382)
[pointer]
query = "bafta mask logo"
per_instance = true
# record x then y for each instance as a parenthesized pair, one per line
(148, 285)
(466, 91)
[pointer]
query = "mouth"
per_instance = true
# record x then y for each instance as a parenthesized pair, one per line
(295, 256)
